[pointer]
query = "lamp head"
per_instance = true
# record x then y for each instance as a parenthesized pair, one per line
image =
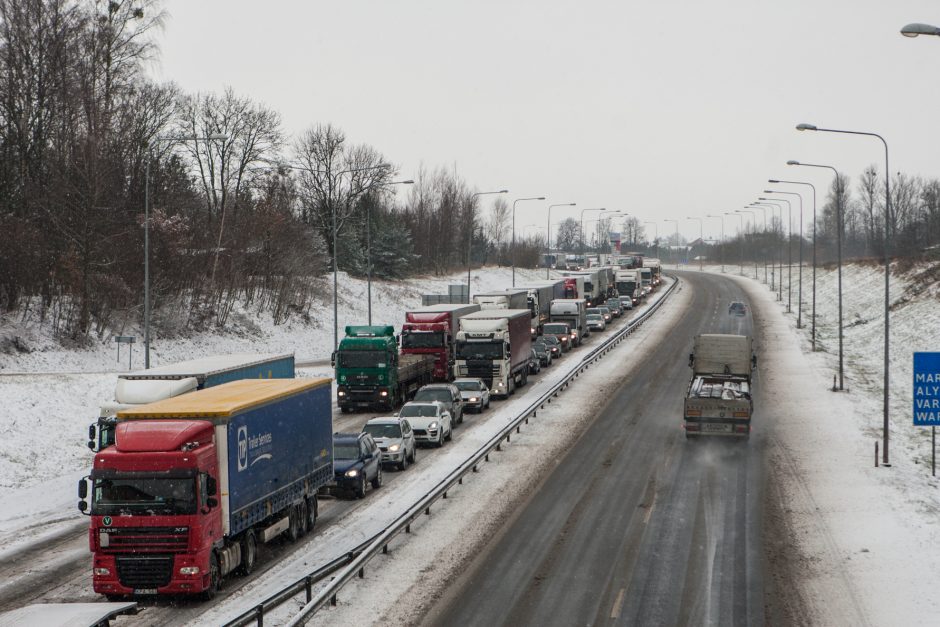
(792, 162)
(772, 181)
(769, 191)
(503, 191)
(805, 127)
(915, 29)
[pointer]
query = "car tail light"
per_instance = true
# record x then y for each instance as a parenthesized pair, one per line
(742, 428)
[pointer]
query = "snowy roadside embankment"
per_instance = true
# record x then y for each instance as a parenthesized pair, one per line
(859, 540)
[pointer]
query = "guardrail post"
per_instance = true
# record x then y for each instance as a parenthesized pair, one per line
(499, 447)
(384, 552)
(474, 469)
(408, 528)
(519, 427)
(427, 510)
(445, 494)
(333, 600)
(362, 572)
(308, 588)
(460, 481)
(259, 611)
(508, 438)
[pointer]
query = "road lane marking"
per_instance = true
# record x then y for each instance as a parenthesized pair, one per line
(618, 604)
(649, 511)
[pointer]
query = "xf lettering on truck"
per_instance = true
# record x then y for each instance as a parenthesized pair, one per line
(254, 448)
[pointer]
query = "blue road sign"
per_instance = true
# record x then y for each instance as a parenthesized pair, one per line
(926, 389)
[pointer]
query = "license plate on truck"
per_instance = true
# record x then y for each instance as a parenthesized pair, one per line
(716, 427)
(145, 591)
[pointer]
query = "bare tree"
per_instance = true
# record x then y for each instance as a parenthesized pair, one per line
(498, 223)
(568, 235)
(869, 187)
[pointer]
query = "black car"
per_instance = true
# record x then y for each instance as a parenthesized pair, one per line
(737, 308)
(535, 365)
(543, 352)
(356, 460)
(554, 344)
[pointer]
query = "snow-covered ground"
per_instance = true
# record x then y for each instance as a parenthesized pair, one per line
(860, 545)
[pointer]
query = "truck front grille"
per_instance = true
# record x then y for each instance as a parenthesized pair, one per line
(145, 571)
(144, 539)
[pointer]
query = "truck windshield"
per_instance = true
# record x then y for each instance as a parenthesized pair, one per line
(555, 329)
(480, 350)
(145, 495)
(421, 339)
(361, 359)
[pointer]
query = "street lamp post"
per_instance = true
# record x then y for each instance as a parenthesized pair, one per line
(150, 145)
(701, 238)
(513, 251)
(887, 264)
(470, 234)
(369, 246)
(582, 225)
(779, 208)
(753, 232)
(789, 239)
(763, 211)
(721, 249)
(677, 240)
(740, 234)
(813, 187)
(548, 226)
(799, 304)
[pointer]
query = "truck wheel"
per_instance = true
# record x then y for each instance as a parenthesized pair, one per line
(377, 482)
(249, 554)
(215, 578)
(361, 488)
(303, 517)
(312, 512)
(293, 524)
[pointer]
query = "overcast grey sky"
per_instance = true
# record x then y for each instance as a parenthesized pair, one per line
(660, 109)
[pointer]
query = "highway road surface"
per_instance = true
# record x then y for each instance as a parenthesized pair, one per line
(636, 525)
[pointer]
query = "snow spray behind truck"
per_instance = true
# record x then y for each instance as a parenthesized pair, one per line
(193, 483)
(154, 384)
(718, 401)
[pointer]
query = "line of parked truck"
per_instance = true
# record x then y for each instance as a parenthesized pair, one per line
(196, 464)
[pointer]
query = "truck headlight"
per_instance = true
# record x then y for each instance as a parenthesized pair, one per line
(394, 448)
(573, 335)
(352, 472)
(383, 393)
(189, 570)
(102, 572)
(341, 393)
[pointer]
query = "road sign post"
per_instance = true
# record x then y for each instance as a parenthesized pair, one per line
(129, 340)
(927, 398)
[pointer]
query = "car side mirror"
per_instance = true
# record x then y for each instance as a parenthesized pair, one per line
(83, 488)
(212, 502)
(691, 359)
(333, 359)
(212, 486)
(753, 361)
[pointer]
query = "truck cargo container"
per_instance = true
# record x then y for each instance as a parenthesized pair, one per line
(573, 312)
(154, 384)
(503, 299)
(540, 297)
(432, 331)
(371, 373)
(718, 400)
(592, 286)
(656, 267)
(646, 279)
(495, 345)
(194, 483)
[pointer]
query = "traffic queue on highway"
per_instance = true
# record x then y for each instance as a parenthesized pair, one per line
(197, 469)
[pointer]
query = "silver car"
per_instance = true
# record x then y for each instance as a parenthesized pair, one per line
(595, 322)
(474, 392)
(396, 440)
(429, 420)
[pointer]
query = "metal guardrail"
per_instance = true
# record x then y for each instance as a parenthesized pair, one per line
(353, 563)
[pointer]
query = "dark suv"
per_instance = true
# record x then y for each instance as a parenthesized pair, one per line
(737, 308)
(446, 393)
(356, 460)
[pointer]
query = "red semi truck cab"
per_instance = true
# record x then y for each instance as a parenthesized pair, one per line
(431, 331)
(175, 462)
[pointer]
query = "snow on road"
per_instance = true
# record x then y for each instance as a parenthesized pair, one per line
(860, 547)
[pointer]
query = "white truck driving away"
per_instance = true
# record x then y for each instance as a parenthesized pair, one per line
(718, 401)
